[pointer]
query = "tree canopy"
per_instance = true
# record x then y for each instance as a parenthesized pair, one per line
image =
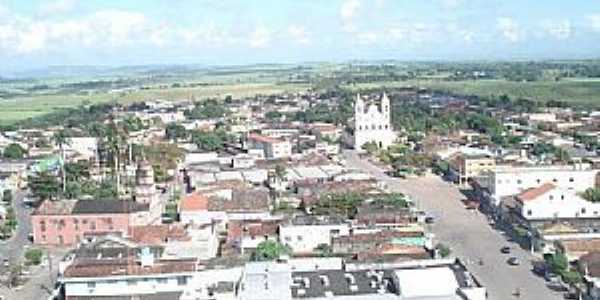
(14, 151)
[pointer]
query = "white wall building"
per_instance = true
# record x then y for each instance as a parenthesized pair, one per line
(304, 235)
(372, 123)
(510, 181)
(551, 202)
(271, 147)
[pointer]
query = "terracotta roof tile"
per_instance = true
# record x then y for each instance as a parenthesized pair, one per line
(534, 193)
(194, 202)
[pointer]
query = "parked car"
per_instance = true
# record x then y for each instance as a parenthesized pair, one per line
(505, 249)
(429, 220)
(513, 261)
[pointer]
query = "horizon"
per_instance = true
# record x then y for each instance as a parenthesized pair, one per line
(39, 34)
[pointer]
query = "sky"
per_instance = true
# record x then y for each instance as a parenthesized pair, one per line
(39, 33)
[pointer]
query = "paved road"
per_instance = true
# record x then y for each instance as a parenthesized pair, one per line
(468, 235)
(16, 245)
(39, 278)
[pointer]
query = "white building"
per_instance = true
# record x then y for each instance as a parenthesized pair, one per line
(271, 147)
(306, 233)
(372, 123)
(510, 181)
(551, 202)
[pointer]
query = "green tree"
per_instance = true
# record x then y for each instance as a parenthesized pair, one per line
(208, 109)
(14, 151)
(44, 186)
(443, 250)
(591, 194)
(324, 250)
(558, 263)
(210, 140)
(175, 132)
(270, 250)
(34, 256)
(370, 147)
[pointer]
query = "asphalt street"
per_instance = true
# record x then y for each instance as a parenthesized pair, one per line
(468, 234)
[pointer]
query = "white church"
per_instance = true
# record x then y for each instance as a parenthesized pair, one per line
(372, 122)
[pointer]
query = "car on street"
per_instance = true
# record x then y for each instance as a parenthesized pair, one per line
(505, 249)
(513, 261)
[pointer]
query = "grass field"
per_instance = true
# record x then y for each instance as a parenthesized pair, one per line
(577, 91)
(15, 109)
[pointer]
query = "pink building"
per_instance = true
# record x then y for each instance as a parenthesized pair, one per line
(69, 222)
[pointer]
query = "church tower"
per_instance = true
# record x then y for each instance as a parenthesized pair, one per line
(372, 122)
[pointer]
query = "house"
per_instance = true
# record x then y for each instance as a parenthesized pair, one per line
(114, 269)
(69, 222)
(272, 148)
(245, 235)
(464, 167)
(511, 180)
(305, 233)
(550, 202)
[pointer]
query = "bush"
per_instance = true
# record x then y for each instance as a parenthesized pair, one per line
(270, 250)
(443, 250)
(34, 256)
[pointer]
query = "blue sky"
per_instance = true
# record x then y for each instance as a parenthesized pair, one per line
(37, 33)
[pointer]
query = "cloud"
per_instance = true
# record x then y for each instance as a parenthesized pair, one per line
(451, 4)
(559, 30)
(594, 21)
(510, 29)
(299, 34)
(349, 9)
(57, 7)
(260, 38)
(413, 33)
(348, 12)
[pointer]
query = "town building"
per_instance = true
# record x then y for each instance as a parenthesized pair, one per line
(303, 234)
(372, 123)
(272, 148)
(512, 180)
(464, 168)
(329, 278)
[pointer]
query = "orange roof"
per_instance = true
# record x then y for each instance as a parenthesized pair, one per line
(158, 234)
(194, 202)
(262, 138)
(534, 193)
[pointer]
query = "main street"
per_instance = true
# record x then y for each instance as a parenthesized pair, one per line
(14, 247)
(468, 235)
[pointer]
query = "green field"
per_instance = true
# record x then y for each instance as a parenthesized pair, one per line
(218, 84)
(16, 109)
(577, 91)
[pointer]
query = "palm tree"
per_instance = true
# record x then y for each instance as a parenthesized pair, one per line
(115, 141)
(61, 139)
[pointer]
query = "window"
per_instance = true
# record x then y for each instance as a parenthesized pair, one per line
(529, 212)
(335, 232)
(181, 280)
(76, 223)
(571, 179)
(562, 197)
(132, 282)
(538, 181)
(91, 285)
(554, 180)
(519, 181)
(288, 238)
(42, 226)
(60, 239)
(161, 280)
(551, 197)
(299, 238)
(583, 211)
(93, 225)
